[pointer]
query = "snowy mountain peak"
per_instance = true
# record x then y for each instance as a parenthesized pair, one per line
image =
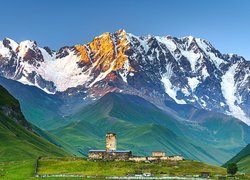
(234, 57)
(9, 43)
(6, 46)
(188, 39)
(186, 70)
(24, 46)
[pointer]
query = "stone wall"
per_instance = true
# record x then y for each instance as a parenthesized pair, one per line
(138, 159)
(151, 158)
(118, 156)
(175, 158)
(97, 155)
(110, 155)
(158, 154)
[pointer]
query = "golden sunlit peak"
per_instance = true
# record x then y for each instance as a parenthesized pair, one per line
(103, 35)
(83, 53)
(120, 31)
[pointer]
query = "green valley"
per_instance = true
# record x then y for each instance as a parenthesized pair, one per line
(141, 127)
(180, 129)
(135, 119)
(242, 159)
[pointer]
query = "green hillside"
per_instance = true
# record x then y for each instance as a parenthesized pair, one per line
(123, 168)
(206, 136)
(143, 128)
(17, 140)
(39, 108)
(56, 140)
(242, 159)
(218, 125)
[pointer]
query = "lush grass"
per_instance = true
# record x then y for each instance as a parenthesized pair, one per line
(121, 168)
(25, 169)
(244, 165)
(17, 169)
(242, 159)
(18, 143)
(17, 140)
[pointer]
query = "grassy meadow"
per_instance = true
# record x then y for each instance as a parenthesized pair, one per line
(121, 168)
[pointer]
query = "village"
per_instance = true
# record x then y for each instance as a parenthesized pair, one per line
(114, 161)
(112, 154)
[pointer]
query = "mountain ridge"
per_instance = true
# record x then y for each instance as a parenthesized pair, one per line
(186, 70)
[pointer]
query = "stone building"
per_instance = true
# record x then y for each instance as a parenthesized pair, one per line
(158, 154)
(110, 141)
(109, 155)
(112, 154)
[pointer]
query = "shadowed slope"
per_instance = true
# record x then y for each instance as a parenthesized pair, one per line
(17, 140)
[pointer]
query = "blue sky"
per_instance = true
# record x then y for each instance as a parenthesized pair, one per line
(56, 23)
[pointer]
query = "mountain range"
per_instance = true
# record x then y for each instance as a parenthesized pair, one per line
(180, 94)
(186, 70)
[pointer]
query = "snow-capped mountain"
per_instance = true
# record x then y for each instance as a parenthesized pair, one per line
(187, 70)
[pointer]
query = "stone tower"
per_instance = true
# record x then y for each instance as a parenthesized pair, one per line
(110, 141)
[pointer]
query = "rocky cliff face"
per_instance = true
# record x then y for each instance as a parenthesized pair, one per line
(186, 70)
(9, 107)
